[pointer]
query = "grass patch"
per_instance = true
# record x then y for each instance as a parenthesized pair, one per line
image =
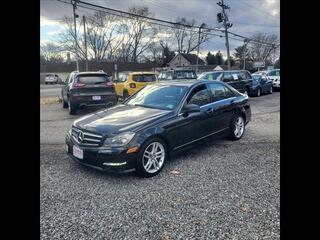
(49, 100)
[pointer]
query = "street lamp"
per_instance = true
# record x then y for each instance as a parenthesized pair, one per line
(202, 26)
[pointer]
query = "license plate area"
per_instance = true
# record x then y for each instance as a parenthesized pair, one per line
(96, 98)
(77, 152)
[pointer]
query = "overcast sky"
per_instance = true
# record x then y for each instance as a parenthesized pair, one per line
(248, 16)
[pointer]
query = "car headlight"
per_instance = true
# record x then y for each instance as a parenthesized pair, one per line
(119, 140)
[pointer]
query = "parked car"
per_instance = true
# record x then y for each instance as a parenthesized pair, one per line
(241, 80)
(274, 75)
(51, 78)
(162, 117)
(177, 74)
(87, 89)
(261, 84)
(130, 83)
(263, 73)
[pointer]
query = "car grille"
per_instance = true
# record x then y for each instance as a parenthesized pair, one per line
(89, 139)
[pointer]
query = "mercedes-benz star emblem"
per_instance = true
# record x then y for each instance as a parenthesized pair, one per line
(80, 136)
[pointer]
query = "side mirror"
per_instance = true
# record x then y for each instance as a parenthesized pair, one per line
(190, 108)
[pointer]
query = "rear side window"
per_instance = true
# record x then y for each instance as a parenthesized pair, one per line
(248, 75)
(212, 76)
(199, 96)
(144, 78)
(272, 73)
(242, 75)
(229, 76)
(93, 79)
(219, 92)
(123, 77)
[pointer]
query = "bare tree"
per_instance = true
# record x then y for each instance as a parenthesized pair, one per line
(263, 52)
(102, 36)
(187, 38)
(139, 35)
(50, 52)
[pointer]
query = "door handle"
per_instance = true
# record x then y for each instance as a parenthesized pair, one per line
(209, 110)
(232, 101)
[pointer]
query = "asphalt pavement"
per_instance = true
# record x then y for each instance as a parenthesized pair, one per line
(50, 90)
(219, 190)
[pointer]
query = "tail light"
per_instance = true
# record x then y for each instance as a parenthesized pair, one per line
(79, 85)
(132, 85)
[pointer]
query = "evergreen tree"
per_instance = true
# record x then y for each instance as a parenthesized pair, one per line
(219, 58)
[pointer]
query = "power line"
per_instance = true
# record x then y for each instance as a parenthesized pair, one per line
(156, 20)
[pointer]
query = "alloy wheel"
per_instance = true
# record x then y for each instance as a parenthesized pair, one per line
(239, 127)
(153, 157)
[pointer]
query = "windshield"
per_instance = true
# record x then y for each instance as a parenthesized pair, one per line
(144, 78)
(157, 96)
(93, 79)
(256, 77)
(186, 75)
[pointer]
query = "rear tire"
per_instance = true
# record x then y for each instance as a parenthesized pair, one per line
(72, 108)
(270, 90)
(150, 164)
(237, 127)
(64, 103)
(125, 95)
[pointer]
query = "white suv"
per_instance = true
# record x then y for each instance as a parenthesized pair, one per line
(274, 75)
(51, 78)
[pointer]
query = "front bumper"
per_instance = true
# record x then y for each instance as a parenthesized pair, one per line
(103, 159)
(276, 84)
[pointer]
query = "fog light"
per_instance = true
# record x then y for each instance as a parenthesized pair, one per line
(115, 164)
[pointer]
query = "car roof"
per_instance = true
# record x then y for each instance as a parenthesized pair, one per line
(186, 83)
(88, 73)
(138, 73)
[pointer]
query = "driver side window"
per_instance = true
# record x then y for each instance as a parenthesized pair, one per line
(199, 96)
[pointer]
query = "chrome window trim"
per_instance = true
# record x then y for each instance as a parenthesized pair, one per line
(185, 99)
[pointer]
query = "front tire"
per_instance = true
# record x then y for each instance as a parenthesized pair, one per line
(64, 103)
(258, 92)
(125, 95)
(237, 127)
(270, 90)
(151, 158)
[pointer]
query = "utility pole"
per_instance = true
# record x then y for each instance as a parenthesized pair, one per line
(226, 25)
(246, 41)
(85, 40)
(202, 25)
(74, 5)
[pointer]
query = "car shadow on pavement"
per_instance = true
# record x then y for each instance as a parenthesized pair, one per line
(173, 163)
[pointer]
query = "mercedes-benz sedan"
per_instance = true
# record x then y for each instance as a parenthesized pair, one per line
(139, 133)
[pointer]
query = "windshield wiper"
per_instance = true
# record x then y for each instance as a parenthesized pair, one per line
(141, 105)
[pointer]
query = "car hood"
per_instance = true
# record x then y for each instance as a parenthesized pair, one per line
(120, 118)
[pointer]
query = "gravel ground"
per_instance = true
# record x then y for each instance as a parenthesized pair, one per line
(219, 190)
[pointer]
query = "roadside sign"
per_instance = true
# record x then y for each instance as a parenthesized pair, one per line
(258, 64)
